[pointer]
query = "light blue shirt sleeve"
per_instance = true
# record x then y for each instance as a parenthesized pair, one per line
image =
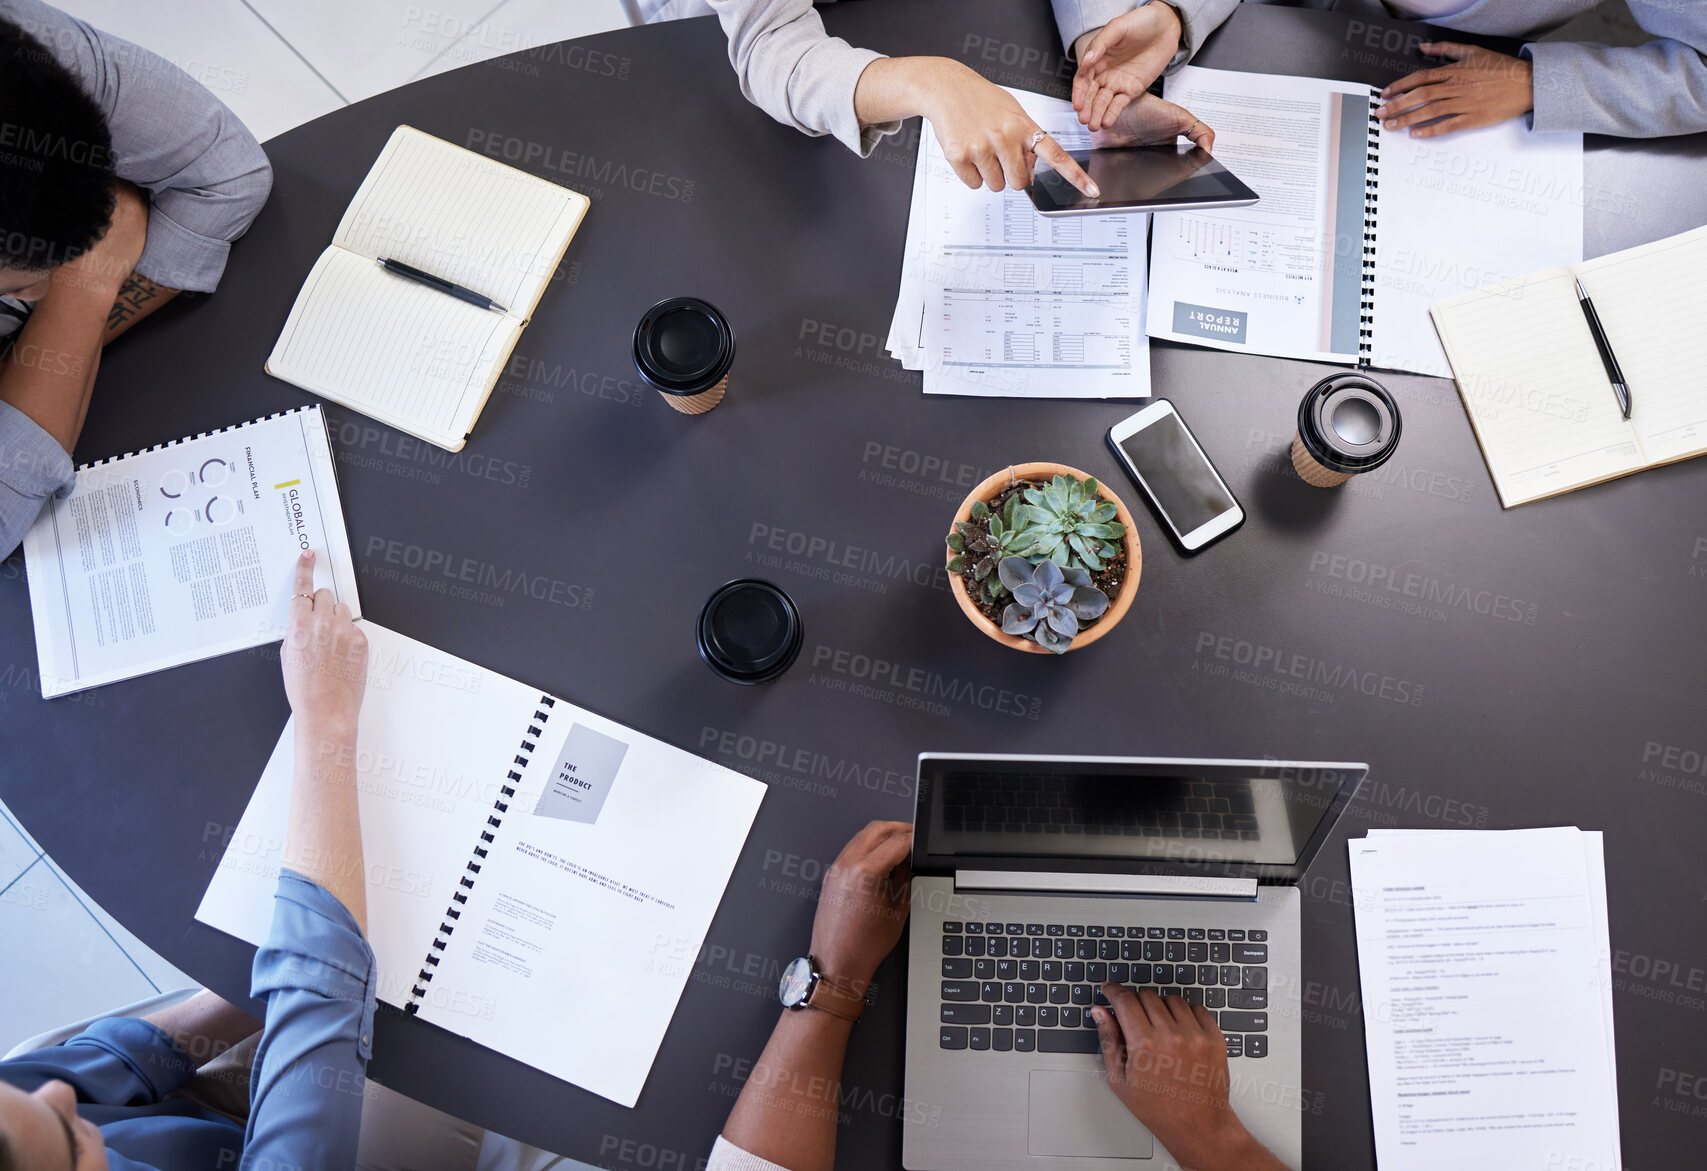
(32, 467)
(317, 975)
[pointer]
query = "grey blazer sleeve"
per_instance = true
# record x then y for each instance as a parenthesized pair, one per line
(1198, 18)
(205, 175)
(1640, 91)
(32, 467)
(796, 72)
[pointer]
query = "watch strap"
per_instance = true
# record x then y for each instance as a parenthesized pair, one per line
(829, 995)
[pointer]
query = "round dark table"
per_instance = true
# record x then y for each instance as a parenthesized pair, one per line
(1540, 666)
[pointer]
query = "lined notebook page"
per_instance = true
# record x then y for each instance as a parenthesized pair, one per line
(1534, 387)
(402, 352)
(1652, 303)
(462, 216)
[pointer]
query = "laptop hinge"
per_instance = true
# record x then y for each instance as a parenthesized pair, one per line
(1121, 884)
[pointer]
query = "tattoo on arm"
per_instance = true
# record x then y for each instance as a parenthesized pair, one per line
(135, 300)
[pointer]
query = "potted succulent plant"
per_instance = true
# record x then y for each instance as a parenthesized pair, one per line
(1043, 558)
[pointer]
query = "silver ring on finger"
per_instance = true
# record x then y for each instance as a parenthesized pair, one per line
(1037, 138)
(310, 597)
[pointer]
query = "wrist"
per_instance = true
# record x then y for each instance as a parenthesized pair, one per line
(1172, 21)
(324, 734)
(1225, 1146)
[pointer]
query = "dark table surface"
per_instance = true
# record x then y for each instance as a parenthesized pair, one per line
(1541, 666)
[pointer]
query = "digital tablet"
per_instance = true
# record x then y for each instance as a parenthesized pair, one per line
(1171, 177)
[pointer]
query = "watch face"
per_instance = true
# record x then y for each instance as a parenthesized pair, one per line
(796, 982)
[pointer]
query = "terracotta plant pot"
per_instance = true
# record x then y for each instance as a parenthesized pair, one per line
(1117, 606)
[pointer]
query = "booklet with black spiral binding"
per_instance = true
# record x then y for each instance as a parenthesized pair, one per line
(540, 879)
(184, 551)
(1358, 229)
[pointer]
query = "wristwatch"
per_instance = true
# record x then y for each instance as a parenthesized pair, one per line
(804, 986)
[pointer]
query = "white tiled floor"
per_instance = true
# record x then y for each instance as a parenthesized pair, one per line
(277, 64)
(280, 63)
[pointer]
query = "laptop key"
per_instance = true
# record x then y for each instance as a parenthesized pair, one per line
(953, 1037)
(1244, 1022)
(1164, 973)
(1174, 953)
(1002, 1040)
(975, 945)
(1220, 953)
(1247, 998)
(958, 990)
(1064, 949)
(1131, 949)
(953, 945)
(1014, 928)
(1120, 973)
(1025, 1041)
(1254, 978)
(1019, 948)
(965, 1014)
(1194, 933)
(1037, 929)
(1176, 933)
(1067, 1041)
(1025, 1015)
(1155, 933)
(1153, 951)
(982, 969)
(1055, 930)
(1070, 1017)
(1096, 973)
(1197, 953)
(1094, 931)
(1048, 1017)
(956, 969)
(980, 1038)
(974, 929)
(1076, 930)
(1235, 1045)
(1217, 933)
(1194, 996)
(1096, 996)
(1001, 1014)
(1257, 936)
(1036, 993)
(1013, 992)
(1230, 975)
(1051, 970)
(996, 945)
(1208, 974)
(1236, 935)
(1250, 953)
(1117, 932)
(1214, 998)
(1058, 993)
(1087, 949)
(1143, 974)
(1256, 1045)
(953, 928)
(1185, 973)
(1030, 970)
(1108, 949)
(1171, 990)
(990, 991)
(1073, 971)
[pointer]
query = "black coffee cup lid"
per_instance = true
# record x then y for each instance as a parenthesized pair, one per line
(683, 346)
(1349, 423)
(749, 631)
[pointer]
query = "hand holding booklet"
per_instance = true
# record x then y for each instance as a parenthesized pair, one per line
(539, 879)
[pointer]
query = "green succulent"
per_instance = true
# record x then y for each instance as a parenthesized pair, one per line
(980, 552)
(1069, 524)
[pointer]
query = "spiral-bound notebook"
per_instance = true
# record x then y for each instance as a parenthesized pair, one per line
(1359, 229)
(540, 879)
(408, 355)
(184, 551)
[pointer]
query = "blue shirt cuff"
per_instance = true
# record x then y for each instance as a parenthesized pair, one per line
(315, 946)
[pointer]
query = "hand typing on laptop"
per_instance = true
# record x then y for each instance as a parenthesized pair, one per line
(1167, 1062)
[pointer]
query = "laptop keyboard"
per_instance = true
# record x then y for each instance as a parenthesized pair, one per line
(1028, 987)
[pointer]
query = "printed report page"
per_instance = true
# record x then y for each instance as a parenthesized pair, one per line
(591, 904)
(1283, 276)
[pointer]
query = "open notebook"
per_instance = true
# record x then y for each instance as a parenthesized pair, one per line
(539, 879)
(1534, 386)
(412, 356)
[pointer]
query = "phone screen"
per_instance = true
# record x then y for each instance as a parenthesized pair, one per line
(1178, 475)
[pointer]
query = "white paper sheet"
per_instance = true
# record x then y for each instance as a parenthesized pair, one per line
(999, 301)
(184, 551)
(1487, 1006)
(605, 864)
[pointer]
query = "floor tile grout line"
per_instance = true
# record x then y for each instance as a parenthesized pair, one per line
(298, 52)
(72, 891)
(20, 874)
(17, 825)
(416, 76)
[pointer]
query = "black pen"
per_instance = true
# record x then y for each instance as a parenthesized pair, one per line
(1613, 373)
(410, 272)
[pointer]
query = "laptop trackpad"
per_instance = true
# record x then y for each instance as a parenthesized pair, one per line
(1074, 1113)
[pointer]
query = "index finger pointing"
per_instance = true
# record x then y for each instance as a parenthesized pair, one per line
(1051, 152)
(302, 581)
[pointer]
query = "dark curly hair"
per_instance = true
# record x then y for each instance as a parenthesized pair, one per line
(56, 158)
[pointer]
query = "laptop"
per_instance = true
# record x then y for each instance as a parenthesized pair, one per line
(1036, 878)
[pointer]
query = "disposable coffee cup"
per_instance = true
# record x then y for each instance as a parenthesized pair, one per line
(749, 631)
(683, 348)
(1347, 424)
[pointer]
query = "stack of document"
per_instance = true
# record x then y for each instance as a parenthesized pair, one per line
(1487, 998)
(1000, 301)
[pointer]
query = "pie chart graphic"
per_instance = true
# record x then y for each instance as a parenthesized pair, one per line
(214, 472)
(180, 521)
(173, 483)
(221, 510)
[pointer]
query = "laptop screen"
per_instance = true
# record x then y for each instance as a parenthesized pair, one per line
(1247, 819)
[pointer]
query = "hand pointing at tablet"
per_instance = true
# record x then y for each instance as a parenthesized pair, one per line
(1150, 120)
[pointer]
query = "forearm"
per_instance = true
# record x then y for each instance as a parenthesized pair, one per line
(1640, 91)
(324, 838)
(787, 1110)
(136, 299)
(50, 371)
(204, 1026)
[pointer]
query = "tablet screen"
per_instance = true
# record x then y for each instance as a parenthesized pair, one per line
(1159, 177)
